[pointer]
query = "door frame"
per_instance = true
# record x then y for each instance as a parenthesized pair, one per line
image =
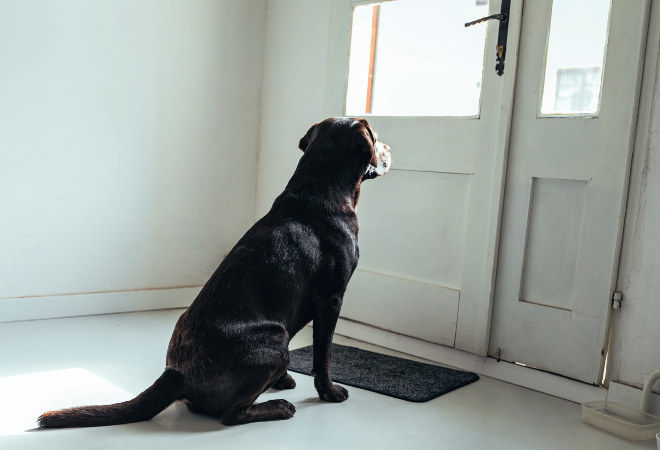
(476, 300)
(635, 178)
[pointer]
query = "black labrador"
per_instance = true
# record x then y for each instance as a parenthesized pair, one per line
(291, 267)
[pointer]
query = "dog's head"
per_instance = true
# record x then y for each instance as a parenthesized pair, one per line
(354, 139)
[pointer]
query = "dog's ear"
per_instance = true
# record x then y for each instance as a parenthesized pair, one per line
(307, 138)
(368, 142)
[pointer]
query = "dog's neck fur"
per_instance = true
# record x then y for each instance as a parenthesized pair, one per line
(323, 178)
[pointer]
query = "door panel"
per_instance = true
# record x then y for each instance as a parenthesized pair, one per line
(429, 229)
(412, 226)
(564, 201)
(426, 311)
(553, 242)
(431, 143)
(412, 239)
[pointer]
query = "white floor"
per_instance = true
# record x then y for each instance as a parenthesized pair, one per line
(68, 362)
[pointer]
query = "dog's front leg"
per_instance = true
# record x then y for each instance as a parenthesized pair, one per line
(326, 313)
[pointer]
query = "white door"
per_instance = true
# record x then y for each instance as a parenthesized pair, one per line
(572, 135)
(429, 230)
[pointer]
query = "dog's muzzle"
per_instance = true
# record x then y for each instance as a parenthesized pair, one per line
(384, 159)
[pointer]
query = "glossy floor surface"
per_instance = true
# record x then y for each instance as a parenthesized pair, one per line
(68, 362)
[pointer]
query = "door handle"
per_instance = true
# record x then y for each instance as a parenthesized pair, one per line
(500, 17)
(503, 17)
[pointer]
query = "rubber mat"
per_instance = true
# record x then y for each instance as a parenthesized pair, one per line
(388, 375)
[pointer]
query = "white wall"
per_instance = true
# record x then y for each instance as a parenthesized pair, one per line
(128, 141)
(293, 89)
(635, 336)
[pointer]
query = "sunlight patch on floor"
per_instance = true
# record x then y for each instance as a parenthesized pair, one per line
(25, 397)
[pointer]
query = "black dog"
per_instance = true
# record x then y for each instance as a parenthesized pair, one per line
(291, 267)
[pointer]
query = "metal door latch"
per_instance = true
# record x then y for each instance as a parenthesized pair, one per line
(503, 17)
(500, 17)
(617, 298)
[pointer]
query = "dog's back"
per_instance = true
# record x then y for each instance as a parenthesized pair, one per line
(290, 268)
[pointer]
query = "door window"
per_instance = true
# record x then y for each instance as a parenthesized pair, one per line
(575, 57)
(416, 58)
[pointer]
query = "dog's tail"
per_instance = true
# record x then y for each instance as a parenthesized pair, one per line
(145, 406)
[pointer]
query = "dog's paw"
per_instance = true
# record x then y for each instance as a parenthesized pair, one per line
(334, 393)
(281, 409)
(286, 382)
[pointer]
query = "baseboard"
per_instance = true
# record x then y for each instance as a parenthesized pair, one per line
(537, 380)
(50, 307)
(631, 396)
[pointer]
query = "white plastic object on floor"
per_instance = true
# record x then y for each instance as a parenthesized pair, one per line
(636, 425)
(621, 420)
(648, 389)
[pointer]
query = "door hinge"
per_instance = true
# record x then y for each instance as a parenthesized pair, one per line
(617, 299)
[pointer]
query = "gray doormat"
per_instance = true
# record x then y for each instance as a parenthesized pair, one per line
(384, 374)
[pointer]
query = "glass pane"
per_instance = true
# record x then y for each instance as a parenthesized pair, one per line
(416, 58)
(576, 49)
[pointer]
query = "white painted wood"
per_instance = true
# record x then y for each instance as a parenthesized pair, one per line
(553, 242)
(634, 338)
(424, 310)
(403, 238)
(631, 396)
(435, 144)
(462, 214)
(597, 151)
(484, 220)
(54, 306)
(547, 383)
